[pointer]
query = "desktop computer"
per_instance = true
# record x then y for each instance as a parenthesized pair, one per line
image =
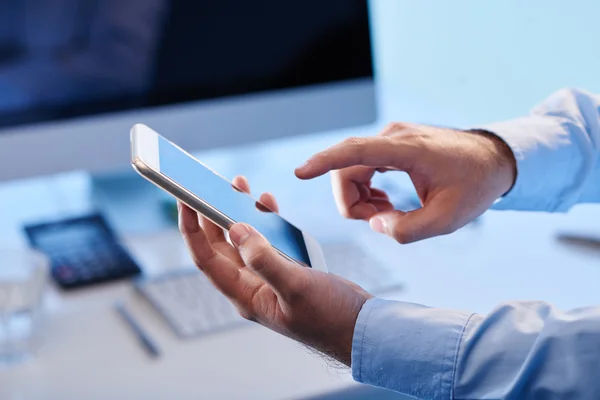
(76, 75)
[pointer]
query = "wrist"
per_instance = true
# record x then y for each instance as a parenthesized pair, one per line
(339, 346)
(502, 156)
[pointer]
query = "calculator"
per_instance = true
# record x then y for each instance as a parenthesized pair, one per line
(82, 251)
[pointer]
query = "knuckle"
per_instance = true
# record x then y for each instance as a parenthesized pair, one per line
(188, 236)
(202, 261)
(353, 141)
(186, 231)
(387, 140)
(246, 314)
(345, 212)
(442, 226)
(211, 255)
(403, 237)
(393, 127)
(259, 257)
(412, 137)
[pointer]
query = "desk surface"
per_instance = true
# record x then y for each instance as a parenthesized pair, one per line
(87, 352)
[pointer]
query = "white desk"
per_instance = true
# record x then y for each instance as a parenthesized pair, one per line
(87, 352)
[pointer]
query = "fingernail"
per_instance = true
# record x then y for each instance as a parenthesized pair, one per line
(377, 224)
(239, 233)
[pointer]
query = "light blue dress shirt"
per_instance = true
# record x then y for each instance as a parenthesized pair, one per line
(520, 350)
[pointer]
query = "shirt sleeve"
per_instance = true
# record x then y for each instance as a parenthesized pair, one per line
(519, 350)
(557, 149)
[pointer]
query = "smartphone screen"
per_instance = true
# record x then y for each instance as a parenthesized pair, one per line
(220, 194)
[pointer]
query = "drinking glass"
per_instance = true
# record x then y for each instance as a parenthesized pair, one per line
(23, 277)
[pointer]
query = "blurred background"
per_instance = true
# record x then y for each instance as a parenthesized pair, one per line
(483, 62)
(98, 297)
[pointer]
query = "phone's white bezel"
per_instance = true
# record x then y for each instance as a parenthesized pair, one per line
(145, 159)
(144, 146)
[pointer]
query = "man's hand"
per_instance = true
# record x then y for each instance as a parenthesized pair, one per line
(312, 307)
(457, 175)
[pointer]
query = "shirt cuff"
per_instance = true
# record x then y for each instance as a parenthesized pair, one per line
(547, 164)
(408, 348)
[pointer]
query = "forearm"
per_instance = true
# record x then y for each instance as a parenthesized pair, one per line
(520, 350)
(557, 149)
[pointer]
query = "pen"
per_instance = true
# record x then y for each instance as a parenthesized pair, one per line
(582, 241)
(142, 336)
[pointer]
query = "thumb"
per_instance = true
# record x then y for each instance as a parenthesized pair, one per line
(433, 219)
(258, 254)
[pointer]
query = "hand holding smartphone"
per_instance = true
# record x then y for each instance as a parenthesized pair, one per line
(183, 176)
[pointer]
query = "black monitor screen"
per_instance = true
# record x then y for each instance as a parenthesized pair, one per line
(66, 58)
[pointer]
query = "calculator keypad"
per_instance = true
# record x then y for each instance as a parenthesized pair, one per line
(83, 251)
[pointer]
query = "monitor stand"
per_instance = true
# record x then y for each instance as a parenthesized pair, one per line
(131, 204)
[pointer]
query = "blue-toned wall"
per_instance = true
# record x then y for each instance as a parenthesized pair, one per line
(473, 61)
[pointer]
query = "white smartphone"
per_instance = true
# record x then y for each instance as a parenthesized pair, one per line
(183, 176)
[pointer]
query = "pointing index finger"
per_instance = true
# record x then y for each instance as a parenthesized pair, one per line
(378, 151)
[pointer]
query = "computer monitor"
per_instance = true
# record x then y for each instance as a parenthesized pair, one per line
(75, 75)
